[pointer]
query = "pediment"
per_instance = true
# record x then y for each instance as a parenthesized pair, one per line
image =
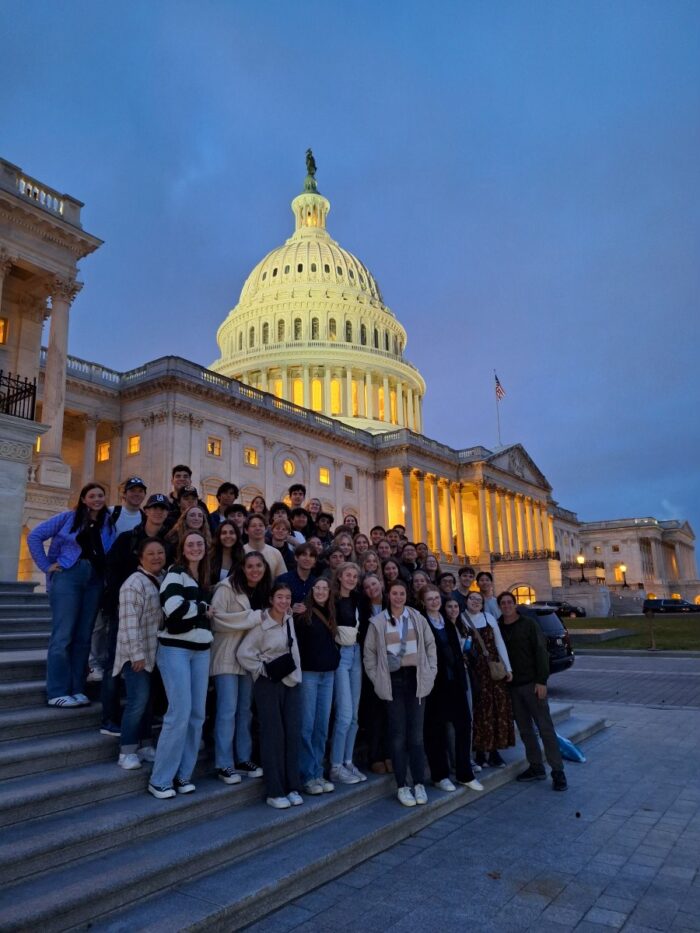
(516, 461)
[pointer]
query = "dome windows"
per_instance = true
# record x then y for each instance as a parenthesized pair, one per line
(280, 331)
(313, 266)
(264, 275)
(351, 273)
(251, 337)
(286, 270)
(386, 341)
(348, 332)
(376, 339)
(300, 267)
(240, 340)
(339, 270)
(314, 328)
(326, 268)
(363, 335)
(266, 333)
(274, 272)
(332, 330)
(297, 328)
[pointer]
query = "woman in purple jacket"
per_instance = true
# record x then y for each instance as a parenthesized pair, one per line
(75, 572)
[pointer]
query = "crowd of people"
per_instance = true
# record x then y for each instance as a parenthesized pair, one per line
(280, 637)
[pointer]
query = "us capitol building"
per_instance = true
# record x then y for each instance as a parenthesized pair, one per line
(312, 385)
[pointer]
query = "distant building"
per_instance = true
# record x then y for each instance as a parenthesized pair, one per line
(311, 386)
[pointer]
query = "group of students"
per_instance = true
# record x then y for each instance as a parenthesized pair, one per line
(299, 628)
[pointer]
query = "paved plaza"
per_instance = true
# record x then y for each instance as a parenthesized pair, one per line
(619, 850)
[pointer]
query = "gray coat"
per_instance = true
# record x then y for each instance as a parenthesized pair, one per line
(377, 666)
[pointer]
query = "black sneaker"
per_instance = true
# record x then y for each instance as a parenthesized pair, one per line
(495, 760)
(533, 773)
(559, 780)
(249, 768)
(184, 787)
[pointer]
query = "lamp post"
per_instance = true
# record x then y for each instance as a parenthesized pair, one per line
(581, 560)
(623, 571)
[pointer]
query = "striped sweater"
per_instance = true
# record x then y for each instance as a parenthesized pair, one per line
(186, 624)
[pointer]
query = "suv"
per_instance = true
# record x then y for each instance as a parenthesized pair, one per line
(669, 605)
(563, 609)
(561, 654)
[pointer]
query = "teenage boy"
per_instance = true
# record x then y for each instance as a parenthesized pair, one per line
(255, 528)
(528, 690)
(297, 494)
(226, 495)
(128, 515)
(238, 514)
(376, 535)
(465, 578)
(302, 578)
(324, 520)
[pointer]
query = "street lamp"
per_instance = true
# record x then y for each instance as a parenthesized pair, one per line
(581, 560)
(623, 571)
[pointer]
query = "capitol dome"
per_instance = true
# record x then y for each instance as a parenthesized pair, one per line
(311, 327)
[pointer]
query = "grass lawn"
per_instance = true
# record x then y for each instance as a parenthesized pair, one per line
(676, 633)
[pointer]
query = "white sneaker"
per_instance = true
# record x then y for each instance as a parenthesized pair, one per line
(341, 775)
(81, 699)
(475, 767)
(420, 794)
(326, 786)
(445, 784)
(295, 798)
(147, 753)
(62, 702)
(313, 787)
(353, 769)
(96, 675)
(472, 785)
(129, 762)
(405, 795)
(278, 803)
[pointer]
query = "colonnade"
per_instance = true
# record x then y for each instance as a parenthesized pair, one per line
(469, 518)
(343, 391)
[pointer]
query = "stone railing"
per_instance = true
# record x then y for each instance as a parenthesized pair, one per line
(247, 355)
(469, 454)
(506, 556)
(587, 565)
(63, 206)
(91, 372)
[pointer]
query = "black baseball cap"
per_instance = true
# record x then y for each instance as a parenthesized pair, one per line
(133, 482)
(157, 500)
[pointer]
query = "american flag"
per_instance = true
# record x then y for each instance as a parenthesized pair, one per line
(500, 391)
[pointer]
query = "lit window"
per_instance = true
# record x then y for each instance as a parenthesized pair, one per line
(289, 467)
(214, 446)
(597, 549)
(38, 445)
(676, 596)
(212, 502)
(133, 444)
(324, 476)
(103, 451)
(348, 482)
(3, 330)
(523, 595)
(250, 456)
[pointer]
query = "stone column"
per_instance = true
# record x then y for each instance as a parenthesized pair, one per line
(495, 535)
(234, 459)
(423, 533)
(369, 410)
(437, 524)
(306, 376)
(410, 424)
(399, 405)
(264, 384)
(269, 471)
(531, 545)
(537, 517)
(459, 518)
(115, 460)
(52, 470)
(550, 527)
(417, 420)
(407, 505)
(6, 263)
(326, 390)
(484, 537)
(348, 392)
(338, 490)
(89, 448)
(515, 537)
(387, 399)
(504, 521)
(384, 480)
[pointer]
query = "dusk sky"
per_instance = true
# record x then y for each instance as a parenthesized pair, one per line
(522, 178)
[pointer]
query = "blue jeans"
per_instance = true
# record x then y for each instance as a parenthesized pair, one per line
(233, 696)
(347, 685)
(185, 676)
(316, 698)
(74, 596)
(136, 718)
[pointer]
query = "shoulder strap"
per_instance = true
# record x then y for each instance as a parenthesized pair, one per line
(289, 635)
(481, 640)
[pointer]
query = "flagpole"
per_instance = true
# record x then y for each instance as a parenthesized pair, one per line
(498, 412)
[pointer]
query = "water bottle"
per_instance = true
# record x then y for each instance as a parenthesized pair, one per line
(467, 645)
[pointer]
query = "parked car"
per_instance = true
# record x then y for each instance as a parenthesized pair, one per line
(561, 654)
(563, 609)
(669, 605)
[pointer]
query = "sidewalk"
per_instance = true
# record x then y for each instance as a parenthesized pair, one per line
(619, 850)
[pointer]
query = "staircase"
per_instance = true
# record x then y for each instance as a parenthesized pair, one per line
(84, 847)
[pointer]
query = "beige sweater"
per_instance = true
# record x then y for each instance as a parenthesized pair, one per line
(266, 642)
(377, 666)
(272, 556)
(233, 617)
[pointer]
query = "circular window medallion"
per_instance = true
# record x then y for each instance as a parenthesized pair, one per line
(289, 467)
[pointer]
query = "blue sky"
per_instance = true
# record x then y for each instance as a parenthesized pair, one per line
(522, 178)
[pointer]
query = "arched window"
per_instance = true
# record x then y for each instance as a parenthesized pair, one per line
(376, 338)
(523, 594)
(251, 336)
(314, 328)
(266, 333)
(326, 268)
(386, 340)
(300, 267)
(286, 270)
(280, 331)
(332, 332)
(240, 339)
(297, 328)
(274, 272)
(363, 335)
(396, 347)
(313, 266)
(348, 332)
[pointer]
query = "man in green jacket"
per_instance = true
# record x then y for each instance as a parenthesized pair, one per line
(528, 690)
